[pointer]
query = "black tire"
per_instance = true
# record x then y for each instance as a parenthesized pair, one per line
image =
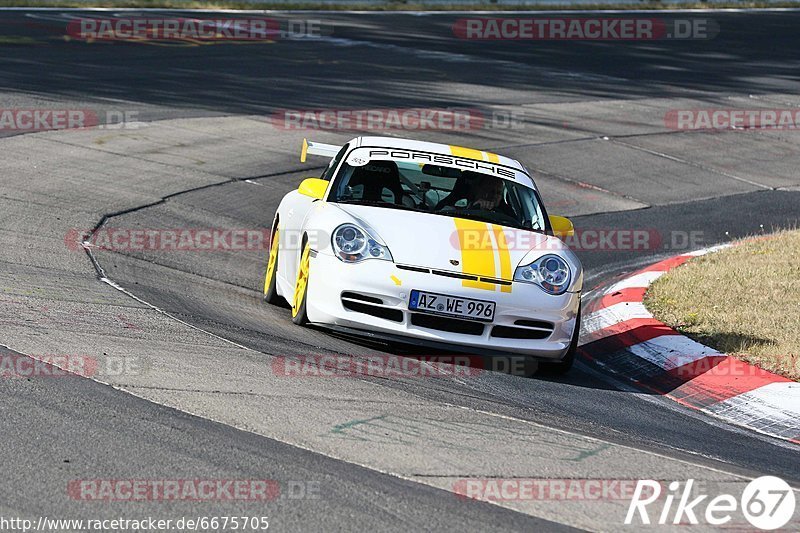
(271, 295)
(565, 365)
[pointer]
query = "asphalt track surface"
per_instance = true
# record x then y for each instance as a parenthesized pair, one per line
(385, 452)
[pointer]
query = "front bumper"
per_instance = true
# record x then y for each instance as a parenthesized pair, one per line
(385, 282)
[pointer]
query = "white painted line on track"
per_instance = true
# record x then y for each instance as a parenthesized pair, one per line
(637, 281)
(774, 412)
(671, 351)
(621, 382)
(113, 284)
(611, 316)
(772, 409)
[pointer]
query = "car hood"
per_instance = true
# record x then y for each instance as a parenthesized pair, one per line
(449, 244)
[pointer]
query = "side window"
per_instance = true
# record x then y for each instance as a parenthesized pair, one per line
(327, 174)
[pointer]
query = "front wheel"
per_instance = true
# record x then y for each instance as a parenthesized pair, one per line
(564, 366)
(299, 315)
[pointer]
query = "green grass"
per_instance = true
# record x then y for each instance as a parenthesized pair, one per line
(743, 301)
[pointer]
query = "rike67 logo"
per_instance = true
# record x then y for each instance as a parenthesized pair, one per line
(767, 503)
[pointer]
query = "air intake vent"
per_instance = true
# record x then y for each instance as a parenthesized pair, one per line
(508, 332)
(362, 297)
(534, 324)
(451, 325)
(370, 305)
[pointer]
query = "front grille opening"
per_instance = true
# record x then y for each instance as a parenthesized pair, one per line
(395, 315)
(509, 332)
(362, 297)
(451, 325)
(457, 275)
(534, 324)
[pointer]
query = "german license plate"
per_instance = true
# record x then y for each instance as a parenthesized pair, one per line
(455, 306)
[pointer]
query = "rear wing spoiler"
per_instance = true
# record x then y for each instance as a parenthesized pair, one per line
(328, 150)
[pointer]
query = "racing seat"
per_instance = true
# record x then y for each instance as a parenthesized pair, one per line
(461, 190)
(376, 177)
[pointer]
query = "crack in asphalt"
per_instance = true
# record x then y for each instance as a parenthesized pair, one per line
(101, 274)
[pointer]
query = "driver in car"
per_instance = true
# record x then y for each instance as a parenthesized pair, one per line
(477, 191)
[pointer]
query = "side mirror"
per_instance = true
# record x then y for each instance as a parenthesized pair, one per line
(562, 226)
(313, 187)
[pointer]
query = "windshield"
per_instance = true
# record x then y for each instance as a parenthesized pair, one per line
(439, 190)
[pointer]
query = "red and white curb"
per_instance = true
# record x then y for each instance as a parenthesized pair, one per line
(620, 334)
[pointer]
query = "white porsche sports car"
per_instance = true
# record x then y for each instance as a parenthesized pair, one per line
(427, 244)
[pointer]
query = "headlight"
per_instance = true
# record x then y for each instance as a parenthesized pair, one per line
(550, 272)
(352, 244)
